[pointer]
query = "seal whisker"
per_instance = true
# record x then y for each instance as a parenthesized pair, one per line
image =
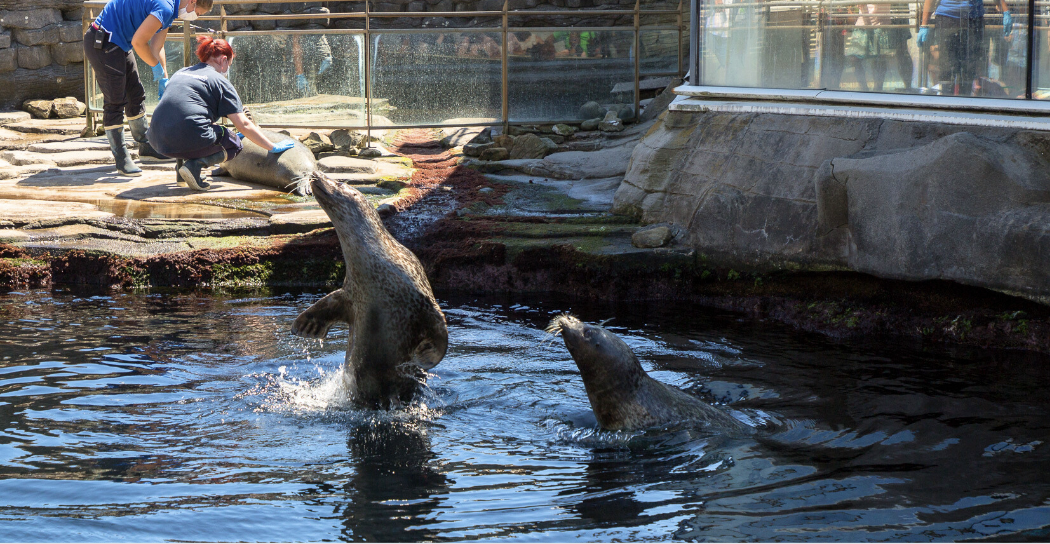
(301, 184)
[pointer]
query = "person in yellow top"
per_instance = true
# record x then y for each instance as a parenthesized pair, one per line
(123, 26)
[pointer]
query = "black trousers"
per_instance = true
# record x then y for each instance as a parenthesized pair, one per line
(118, 79)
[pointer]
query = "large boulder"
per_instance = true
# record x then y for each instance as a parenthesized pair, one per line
(962, 208)
(896, 199)
(41, 109)
(531, 146)
(67, 108)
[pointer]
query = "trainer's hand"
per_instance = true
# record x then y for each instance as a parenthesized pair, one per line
(161, 85)
(327, 63)
(923, 31)
(158, 72)
(282, 146)
(300, 82)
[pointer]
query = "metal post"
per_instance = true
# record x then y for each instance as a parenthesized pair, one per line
(88, 15)
(696, 40)
(1030, 78)
(187, 43)
(368, 76)
(504, 76)
(680, 18)
(637, 53)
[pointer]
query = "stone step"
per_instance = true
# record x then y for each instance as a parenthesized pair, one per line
(356, 179)
(63, 158)
(347, 165)
(24, 158)
(68, 145)
(65, 127)
(7, 117)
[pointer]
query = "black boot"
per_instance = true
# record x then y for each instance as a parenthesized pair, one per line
(125, 165)
(178, 178)
(190, 172)
(139, 130)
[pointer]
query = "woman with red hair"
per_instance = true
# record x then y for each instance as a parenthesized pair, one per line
(183, 125)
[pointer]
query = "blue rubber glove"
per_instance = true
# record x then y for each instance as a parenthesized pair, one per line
(1008, 23)
(921, 39)
(158, 72)
(283, 146)
(300, 83)
(327, 63)
(239, 135)
(161, 85)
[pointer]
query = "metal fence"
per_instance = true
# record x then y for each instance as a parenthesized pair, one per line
(472, 70)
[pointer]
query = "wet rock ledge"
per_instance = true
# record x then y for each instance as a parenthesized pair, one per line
(517, 227)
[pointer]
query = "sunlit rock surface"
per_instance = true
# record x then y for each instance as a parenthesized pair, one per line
(906, 200)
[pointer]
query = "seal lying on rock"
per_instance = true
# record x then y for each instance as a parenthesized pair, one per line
(287, 171)
(397, 329)
(622, 395)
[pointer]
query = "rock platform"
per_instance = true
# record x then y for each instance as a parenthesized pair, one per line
(520, 226)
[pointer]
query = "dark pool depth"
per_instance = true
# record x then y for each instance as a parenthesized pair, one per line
(184, 416)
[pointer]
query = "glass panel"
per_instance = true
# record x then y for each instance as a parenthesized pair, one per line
(869, 47)
(1041, 58)
(301, 79)
(431, 78)
(552, 74)
(659, 51)
(969, 53)
(174, 61)
(746, 44)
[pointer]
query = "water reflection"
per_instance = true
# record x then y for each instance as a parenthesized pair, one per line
(394, 480)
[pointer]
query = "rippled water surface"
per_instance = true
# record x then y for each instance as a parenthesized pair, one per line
(182, 416)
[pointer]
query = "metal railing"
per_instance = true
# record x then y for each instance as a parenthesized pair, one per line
(221, 19)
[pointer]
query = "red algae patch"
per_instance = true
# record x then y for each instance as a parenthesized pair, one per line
(436, 167)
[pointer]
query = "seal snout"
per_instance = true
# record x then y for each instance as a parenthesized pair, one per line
(561, 324)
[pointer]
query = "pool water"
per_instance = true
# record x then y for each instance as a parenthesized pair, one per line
(197, 416)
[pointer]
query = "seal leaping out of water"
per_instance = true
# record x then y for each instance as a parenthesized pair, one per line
(397, 328)
(622, 395)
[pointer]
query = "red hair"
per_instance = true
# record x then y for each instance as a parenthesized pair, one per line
(207, 47)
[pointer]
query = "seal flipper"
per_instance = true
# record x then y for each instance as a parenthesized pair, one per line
(317, 319)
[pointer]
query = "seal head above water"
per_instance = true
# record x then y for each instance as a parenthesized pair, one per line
(397, 329)
(622, 395)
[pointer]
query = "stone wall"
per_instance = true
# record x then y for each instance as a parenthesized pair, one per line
(895, 199)
(41, 51)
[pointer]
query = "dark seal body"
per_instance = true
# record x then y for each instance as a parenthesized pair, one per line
(622, 395)
(397, 329)
(287, 171)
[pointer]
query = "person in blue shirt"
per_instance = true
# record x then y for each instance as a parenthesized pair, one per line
(184, 122)
(959, 27)
(123, 26)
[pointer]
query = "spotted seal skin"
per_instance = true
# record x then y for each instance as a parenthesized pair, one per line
(288, 171)
(397, 329)
(622, 395)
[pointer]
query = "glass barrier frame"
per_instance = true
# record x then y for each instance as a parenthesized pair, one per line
(1035, 24)
(186, 32)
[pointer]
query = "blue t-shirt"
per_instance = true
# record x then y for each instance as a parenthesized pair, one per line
(960, 9)
(122, 18)
(194, 99)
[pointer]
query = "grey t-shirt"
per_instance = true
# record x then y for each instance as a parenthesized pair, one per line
(195, 98)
